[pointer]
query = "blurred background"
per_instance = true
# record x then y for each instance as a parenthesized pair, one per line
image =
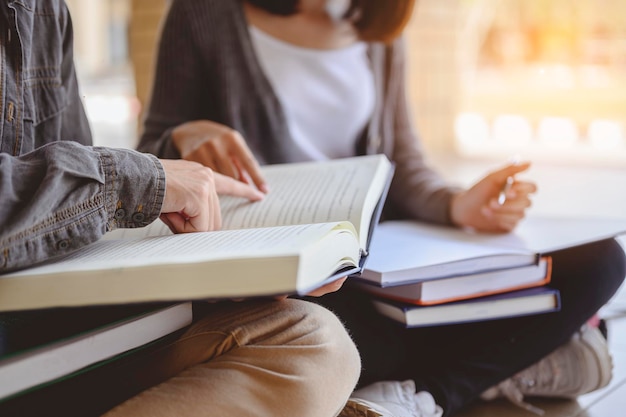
(488, 79)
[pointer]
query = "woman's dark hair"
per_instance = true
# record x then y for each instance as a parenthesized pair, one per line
(381, 20)
(280, 7)
(376, 20)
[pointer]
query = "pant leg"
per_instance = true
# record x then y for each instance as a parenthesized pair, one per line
(274, 358)
(456, 363)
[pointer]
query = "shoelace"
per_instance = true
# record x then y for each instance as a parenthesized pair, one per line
(511, 392)
(359, 408)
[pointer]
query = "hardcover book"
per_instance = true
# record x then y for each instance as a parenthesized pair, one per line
(511, 304)
(312, 228)
(37, 347)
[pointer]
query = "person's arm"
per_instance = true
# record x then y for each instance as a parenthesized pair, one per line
(175, 125)
(63, 196)
(496, 203)
(417, 191)
(177, 93)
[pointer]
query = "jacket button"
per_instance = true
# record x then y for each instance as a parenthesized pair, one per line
(120, 214)
(139, 217)
(63, 244)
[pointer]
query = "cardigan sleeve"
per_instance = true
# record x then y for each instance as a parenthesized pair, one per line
(417, 191)
(177, 93)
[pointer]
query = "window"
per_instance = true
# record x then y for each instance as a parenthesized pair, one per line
(546, 79)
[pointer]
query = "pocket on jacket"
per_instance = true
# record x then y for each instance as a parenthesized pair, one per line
(45, 92)
(42, 28)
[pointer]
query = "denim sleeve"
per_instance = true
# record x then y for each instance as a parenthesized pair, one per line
(64, 195)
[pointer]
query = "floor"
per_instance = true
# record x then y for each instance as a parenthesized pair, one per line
(586, 191)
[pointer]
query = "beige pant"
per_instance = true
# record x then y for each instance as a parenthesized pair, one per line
(260, 358)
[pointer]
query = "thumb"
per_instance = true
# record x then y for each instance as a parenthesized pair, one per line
(231, 186)
(509, 170)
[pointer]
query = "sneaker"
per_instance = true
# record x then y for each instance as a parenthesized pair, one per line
(360, 408)
(580, 366)
(391, 399)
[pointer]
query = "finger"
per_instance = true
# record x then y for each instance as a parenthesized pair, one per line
(185, 224)
(508, 225)
(523, 188)
(498, 223)
(174, 221)
(243, 177)
(328, 288)
(518, 193)
(165, 219)
(202, 156)
(249, 164)
(510, 170)
(511, 205)
(215, 212)
(511, 218)
(230, 186)
(516, 168)
(505, 227)
(224, 165)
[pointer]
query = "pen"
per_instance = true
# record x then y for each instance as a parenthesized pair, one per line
(505, 189)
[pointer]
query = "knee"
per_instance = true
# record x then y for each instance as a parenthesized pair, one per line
(324, 330)
(610, 262)
(336, 364)
(602, 263)
(589, 275)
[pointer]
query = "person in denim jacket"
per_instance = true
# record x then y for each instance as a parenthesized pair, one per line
(58, 193)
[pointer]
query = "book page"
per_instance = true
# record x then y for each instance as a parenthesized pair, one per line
(188, 248)
(337, 190)
(543, 234)
(404, 245)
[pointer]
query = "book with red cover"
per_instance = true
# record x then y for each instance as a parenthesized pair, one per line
(456, 288)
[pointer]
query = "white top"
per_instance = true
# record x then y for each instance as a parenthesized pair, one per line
(327, 95)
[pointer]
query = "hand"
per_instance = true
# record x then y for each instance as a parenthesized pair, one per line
(220, 148)
(328, 288)
(191, 203)
(479, 209)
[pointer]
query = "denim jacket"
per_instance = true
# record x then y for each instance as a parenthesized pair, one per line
(58, 193)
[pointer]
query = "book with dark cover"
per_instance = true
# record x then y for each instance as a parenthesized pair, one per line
(37, 347)
(511, 304)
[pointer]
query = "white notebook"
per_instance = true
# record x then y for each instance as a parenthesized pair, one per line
(403, 252)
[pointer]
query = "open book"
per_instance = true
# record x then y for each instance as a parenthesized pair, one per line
(405, 252)
(313, 227)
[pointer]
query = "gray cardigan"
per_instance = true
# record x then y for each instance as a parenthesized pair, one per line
(207, 69)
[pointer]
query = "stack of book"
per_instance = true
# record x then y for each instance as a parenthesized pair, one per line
(426, 275)
(45, 348)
